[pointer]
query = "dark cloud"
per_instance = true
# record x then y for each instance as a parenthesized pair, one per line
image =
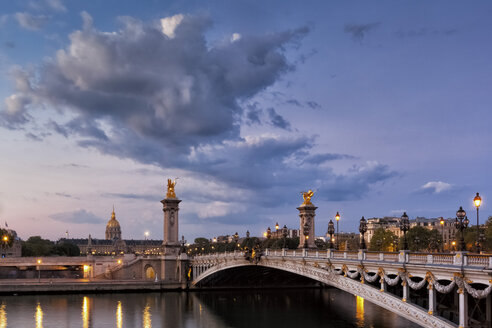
(359, 31)
(322, 158)
(163, 95)
(31, 22)
(63, 194)
(33, 137)
(313, 105)
(294, 102)
(76, 165)
(356, 183)
(9, 44)
(412, 33)
(151, 198)
(80, 216)
(277, 120)
(253, 114)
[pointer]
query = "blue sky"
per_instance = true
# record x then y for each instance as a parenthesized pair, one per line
(380, 107)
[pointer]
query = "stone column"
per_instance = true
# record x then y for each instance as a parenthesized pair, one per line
(463, 302)
(432, 299)
(306, 216)
(488, 310)
(383, 285)
(171, 221)
(405, 291)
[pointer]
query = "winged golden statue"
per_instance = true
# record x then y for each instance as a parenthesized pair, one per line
(170, 188)
(307, 197)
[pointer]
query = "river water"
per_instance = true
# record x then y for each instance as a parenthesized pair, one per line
(215, 309)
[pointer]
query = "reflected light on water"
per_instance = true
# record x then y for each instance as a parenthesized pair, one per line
(147, 320)
(85, 312)
(39, 316)
(3, 316)
(359, 311)
(119, 316)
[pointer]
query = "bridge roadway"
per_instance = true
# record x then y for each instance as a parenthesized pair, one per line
(360, 272)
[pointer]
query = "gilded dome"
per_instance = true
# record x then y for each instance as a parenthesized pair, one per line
(113, 229)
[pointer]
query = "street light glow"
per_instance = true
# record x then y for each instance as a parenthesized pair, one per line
(477, 200)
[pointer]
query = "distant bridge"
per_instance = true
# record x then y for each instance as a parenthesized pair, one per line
(461, 281)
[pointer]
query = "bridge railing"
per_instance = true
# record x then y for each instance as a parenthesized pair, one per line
(453, 259)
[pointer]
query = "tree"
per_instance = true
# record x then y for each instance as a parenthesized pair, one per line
(422, 239)
(66, 249)
(382, 240)
(37, 246)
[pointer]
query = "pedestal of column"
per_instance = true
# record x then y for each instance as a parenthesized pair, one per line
(306, 218)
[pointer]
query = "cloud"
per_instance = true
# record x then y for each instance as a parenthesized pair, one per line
(277, 120)
(162, 94)
(359, 31)
(79, 217)
(56, 5)
(9, 44)
(151, 198)
(422, 32)
(31, 22)
(435, 187)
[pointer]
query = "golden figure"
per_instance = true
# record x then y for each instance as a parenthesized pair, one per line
(170, 188)
(307, 197)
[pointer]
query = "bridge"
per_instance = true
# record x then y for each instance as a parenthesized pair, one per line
(432, 290)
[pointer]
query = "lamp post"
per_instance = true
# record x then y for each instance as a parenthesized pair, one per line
(477, 201)
(330, 231)
(337, 217)
(404, 227)
(276, 227)
(416, 241)
(236, 238)
(362, 230)
(285, 232)
(441, 221)
(269, 233)
(461, 223)
(183, 242)
(39, 270)
(306, 234)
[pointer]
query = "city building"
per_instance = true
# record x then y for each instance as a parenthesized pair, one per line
(113, 243)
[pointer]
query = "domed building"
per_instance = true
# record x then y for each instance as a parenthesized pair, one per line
(113, 229)
(113, 244)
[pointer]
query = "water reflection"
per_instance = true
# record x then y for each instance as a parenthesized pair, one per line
(202, 309)
(119, 315)
(359, 311)
(3, 316)
(146, 319)
(39, 316)
(85, 312)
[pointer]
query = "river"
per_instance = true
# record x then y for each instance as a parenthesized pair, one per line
(215, 309)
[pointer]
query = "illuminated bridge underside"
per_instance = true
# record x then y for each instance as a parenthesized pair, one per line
(328, 272)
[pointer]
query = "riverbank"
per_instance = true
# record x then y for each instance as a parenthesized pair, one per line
(74, 286)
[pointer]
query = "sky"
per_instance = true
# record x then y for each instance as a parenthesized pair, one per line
(379, 107)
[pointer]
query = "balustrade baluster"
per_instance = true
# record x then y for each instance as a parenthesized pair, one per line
(432, 300)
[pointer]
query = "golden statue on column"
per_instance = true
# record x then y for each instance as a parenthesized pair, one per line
(170, 188)
(307, 197)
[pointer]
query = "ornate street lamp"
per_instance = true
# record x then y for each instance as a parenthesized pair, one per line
(247, 234)
(330, 231)
(441, 221)
(461, 223)
(477, 201)
(183, 242)
(269, 233)
(404, 227)
(306, 234)
(362, 230)
(276, 227)
(416, 241)
(285, 232)
(236, 238)
(337, 217)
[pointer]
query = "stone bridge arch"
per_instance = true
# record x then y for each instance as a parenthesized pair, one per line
(322, 272)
